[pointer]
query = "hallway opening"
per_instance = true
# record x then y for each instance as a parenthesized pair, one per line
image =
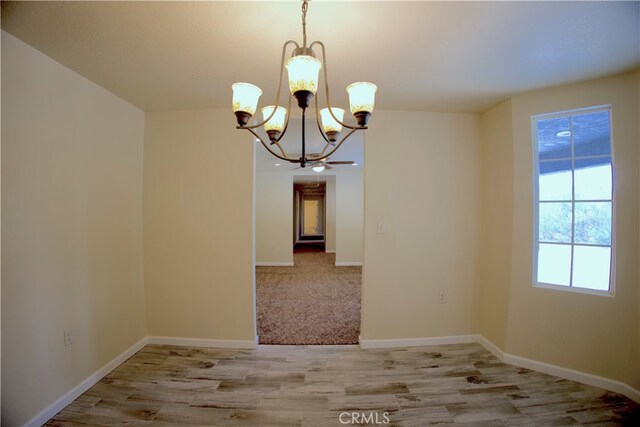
(309, 239)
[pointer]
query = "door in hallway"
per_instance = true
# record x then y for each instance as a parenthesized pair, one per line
(312, 216)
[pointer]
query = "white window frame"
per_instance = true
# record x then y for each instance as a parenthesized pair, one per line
(536, 202)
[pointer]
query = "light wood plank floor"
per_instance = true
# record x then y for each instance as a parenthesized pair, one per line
(312, 386)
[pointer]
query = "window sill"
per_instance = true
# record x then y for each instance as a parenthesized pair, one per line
(609, 293)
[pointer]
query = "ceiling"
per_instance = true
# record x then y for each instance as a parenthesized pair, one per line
(435, 56)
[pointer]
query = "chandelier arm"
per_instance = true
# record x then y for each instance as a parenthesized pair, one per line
(326, 156)
(281, 149)
(284, 51)
(326, 87)
(286, 125)
(287, 159)
(318, 123)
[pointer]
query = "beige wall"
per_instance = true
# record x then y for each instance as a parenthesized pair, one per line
(72, 229)
(589, 333)
(349, 217)
(421, 180)
(274, 217)
(496, 199)
(199, 224)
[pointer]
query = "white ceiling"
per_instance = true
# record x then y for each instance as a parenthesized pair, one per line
(437, 56)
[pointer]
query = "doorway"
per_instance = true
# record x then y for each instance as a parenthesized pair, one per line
(309, 234)
(316, 300)
(312, 217)
(309, 215)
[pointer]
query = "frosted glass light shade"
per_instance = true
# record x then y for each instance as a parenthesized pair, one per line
(303, 73)
(277, 121)
(318, 168)
(245, 97)
(329, 124)
(362, 96)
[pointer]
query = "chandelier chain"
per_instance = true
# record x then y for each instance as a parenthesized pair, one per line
(305, 6)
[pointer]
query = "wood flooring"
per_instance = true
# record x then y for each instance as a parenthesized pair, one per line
(460, 384)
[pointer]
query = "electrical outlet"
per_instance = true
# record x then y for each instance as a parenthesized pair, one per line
(442, 298)
(68, 338)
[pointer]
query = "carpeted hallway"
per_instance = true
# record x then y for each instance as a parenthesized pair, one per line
(313, 302)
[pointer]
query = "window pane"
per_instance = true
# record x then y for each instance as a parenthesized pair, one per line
(591, 134)
(554, 264)
(555, 180)
(593, 223)
(591, 267)
(554, 222)
(593, 178)
(554, 138)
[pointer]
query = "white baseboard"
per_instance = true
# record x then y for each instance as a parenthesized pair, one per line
(329, 251)
(416, 342)
(348, 264)
(46, 414)
(201, 342)
(558, 371)
(274, 264)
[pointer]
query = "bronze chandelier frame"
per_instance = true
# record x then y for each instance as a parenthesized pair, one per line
(303, 98)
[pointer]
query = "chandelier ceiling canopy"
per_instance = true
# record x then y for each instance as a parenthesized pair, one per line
(303, 69)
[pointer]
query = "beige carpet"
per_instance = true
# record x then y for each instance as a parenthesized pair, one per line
(313, 302)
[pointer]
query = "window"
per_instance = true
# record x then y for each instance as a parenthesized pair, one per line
(573, 219)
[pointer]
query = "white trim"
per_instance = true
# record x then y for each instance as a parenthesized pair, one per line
(574, 289)
(274, 264)
(51, 410)
(558, 371)
(329, 251)
(416, 342)
(490, 346)
(348, 263)
(202, 342)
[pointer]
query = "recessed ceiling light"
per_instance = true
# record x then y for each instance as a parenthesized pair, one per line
(564, 133)
(257, 140)
(354, 164)
(276, 164)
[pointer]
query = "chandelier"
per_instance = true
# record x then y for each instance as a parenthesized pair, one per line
(303, 69)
